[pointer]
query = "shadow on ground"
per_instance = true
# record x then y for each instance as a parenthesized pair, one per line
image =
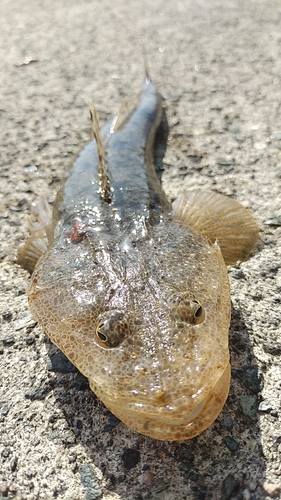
(230, 450)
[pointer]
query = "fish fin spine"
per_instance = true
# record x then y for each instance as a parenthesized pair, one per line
(105, 184)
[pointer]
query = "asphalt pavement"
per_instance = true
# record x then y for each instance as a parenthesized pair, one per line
(218, 66)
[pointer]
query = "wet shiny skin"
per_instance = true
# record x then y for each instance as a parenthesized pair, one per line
(136, 299)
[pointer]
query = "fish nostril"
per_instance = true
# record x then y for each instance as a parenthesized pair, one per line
(160, 396)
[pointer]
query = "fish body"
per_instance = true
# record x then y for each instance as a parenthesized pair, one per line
(134, 289)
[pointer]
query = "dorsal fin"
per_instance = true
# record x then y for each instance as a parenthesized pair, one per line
(126, 109)
(105, 184)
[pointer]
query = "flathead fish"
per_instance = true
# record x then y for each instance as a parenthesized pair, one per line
(133, 288)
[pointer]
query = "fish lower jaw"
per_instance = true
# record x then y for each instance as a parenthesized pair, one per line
(171, 426)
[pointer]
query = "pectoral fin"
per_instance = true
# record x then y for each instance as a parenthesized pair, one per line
(40, 228)
(219, 218)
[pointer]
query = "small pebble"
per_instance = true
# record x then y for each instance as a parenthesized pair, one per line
(229, 486)
(90, 482)
(249, 406)
(161, 486)
(6, 452)
(51, 137)
(148, 479)
(230, 443)
(72, 458)
(30, 339)
(246, 494)
(252, 486)
(273, 348)
(276, 136)
(225, 161)
(185, 466)
(273, 220)
(193, 476)
(8, 339)
(130, 457)
(227, 423)
(265, 406)
(29, 321)
(7, 315)
(111, 423)
(272, 489)
(30, 169)
(237, 274)
(29, 473)
(4, 410)
(13, 464)
(276, 438)
(4, 490)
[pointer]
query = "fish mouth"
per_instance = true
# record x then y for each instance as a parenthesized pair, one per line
(183, 420)
(169, 420)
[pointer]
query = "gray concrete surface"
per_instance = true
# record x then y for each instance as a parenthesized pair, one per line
(218, 64)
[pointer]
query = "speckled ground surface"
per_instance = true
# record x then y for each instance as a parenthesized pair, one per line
(218, 65)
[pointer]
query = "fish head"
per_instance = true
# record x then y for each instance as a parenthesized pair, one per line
(147, 322)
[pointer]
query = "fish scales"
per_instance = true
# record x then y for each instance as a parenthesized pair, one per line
(134, 289)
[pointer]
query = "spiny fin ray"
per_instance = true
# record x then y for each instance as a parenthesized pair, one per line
(105, 184)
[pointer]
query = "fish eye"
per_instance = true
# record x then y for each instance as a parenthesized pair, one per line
(111, 329)
(100, 334)
(198, 309)
(186, 309)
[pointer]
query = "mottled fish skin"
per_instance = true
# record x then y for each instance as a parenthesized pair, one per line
(138, 300)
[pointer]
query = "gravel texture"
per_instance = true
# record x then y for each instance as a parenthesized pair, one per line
(218, 65)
